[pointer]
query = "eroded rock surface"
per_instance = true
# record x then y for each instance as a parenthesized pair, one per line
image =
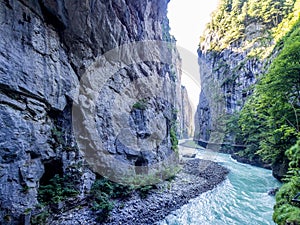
(47, 48)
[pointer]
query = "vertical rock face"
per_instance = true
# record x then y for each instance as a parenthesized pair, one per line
(186, 120)
(226, 79)
(235, 50)
(47, 49)
(202, 119)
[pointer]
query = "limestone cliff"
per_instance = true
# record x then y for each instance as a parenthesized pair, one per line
(235, 50)
(187, 115)
(52, 52)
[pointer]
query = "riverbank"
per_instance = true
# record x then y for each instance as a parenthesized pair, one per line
(253, 161)
(197, 176)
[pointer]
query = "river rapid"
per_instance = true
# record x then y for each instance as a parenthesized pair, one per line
(242, 199)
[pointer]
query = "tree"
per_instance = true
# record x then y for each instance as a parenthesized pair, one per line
(270, 119)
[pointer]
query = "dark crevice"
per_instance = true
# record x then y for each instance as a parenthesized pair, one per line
(62, 129)
(141, 165)
(51, 18)
(8, 5)
(21, 95)
(51, 169)
(34, 155)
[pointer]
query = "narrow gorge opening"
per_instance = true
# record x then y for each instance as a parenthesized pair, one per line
(187, 23)
(246, 108)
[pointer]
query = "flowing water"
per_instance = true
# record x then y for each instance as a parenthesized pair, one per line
(242, 199)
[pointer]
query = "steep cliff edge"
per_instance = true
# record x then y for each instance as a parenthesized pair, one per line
(48, 48)
(235, 51)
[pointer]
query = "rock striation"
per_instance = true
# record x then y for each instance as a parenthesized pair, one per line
(47, 49)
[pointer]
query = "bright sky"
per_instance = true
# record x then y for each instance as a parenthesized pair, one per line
(188, 19)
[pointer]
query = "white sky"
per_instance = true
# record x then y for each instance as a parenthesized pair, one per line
(187, 21)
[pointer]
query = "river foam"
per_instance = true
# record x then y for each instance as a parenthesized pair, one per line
(241, 200)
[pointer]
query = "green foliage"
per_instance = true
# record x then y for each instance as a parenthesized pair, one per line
(174, 139)
(25, 189)
(232, 19)
(7, 218)
(40, 218)
(58, 189)
(169, 173)
(293, 155)
(285, 211)
(270, 122)
(111, 189)
(144, 190)
(270, 118)
(141, 180)
(103, 192)
(289, 21)
(145, 183)
(57, 134)
(141, 104)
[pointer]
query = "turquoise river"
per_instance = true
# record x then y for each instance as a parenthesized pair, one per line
(242, 199)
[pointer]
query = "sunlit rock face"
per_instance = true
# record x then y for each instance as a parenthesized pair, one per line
(226, 77)
(235, 50)
(230, 59)
(48, 48)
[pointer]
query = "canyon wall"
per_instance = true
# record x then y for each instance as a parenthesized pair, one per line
(236, 50)
(187, 115)
(68, 86)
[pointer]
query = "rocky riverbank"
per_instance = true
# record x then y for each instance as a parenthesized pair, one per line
(196, 177)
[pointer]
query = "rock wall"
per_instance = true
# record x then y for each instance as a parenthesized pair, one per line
(226, 78)
(47, 49)
(236, 48)
(187, 115)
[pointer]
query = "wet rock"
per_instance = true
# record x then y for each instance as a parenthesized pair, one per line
(280, 168)
(273, 191)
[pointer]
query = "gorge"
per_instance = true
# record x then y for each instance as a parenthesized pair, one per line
(92, 108)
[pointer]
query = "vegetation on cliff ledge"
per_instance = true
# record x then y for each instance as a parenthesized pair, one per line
(255, 24)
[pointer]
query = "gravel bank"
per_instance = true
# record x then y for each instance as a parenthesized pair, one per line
(196, 177)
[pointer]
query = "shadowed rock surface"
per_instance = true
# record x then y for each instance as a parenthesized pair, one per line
(46, 49)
